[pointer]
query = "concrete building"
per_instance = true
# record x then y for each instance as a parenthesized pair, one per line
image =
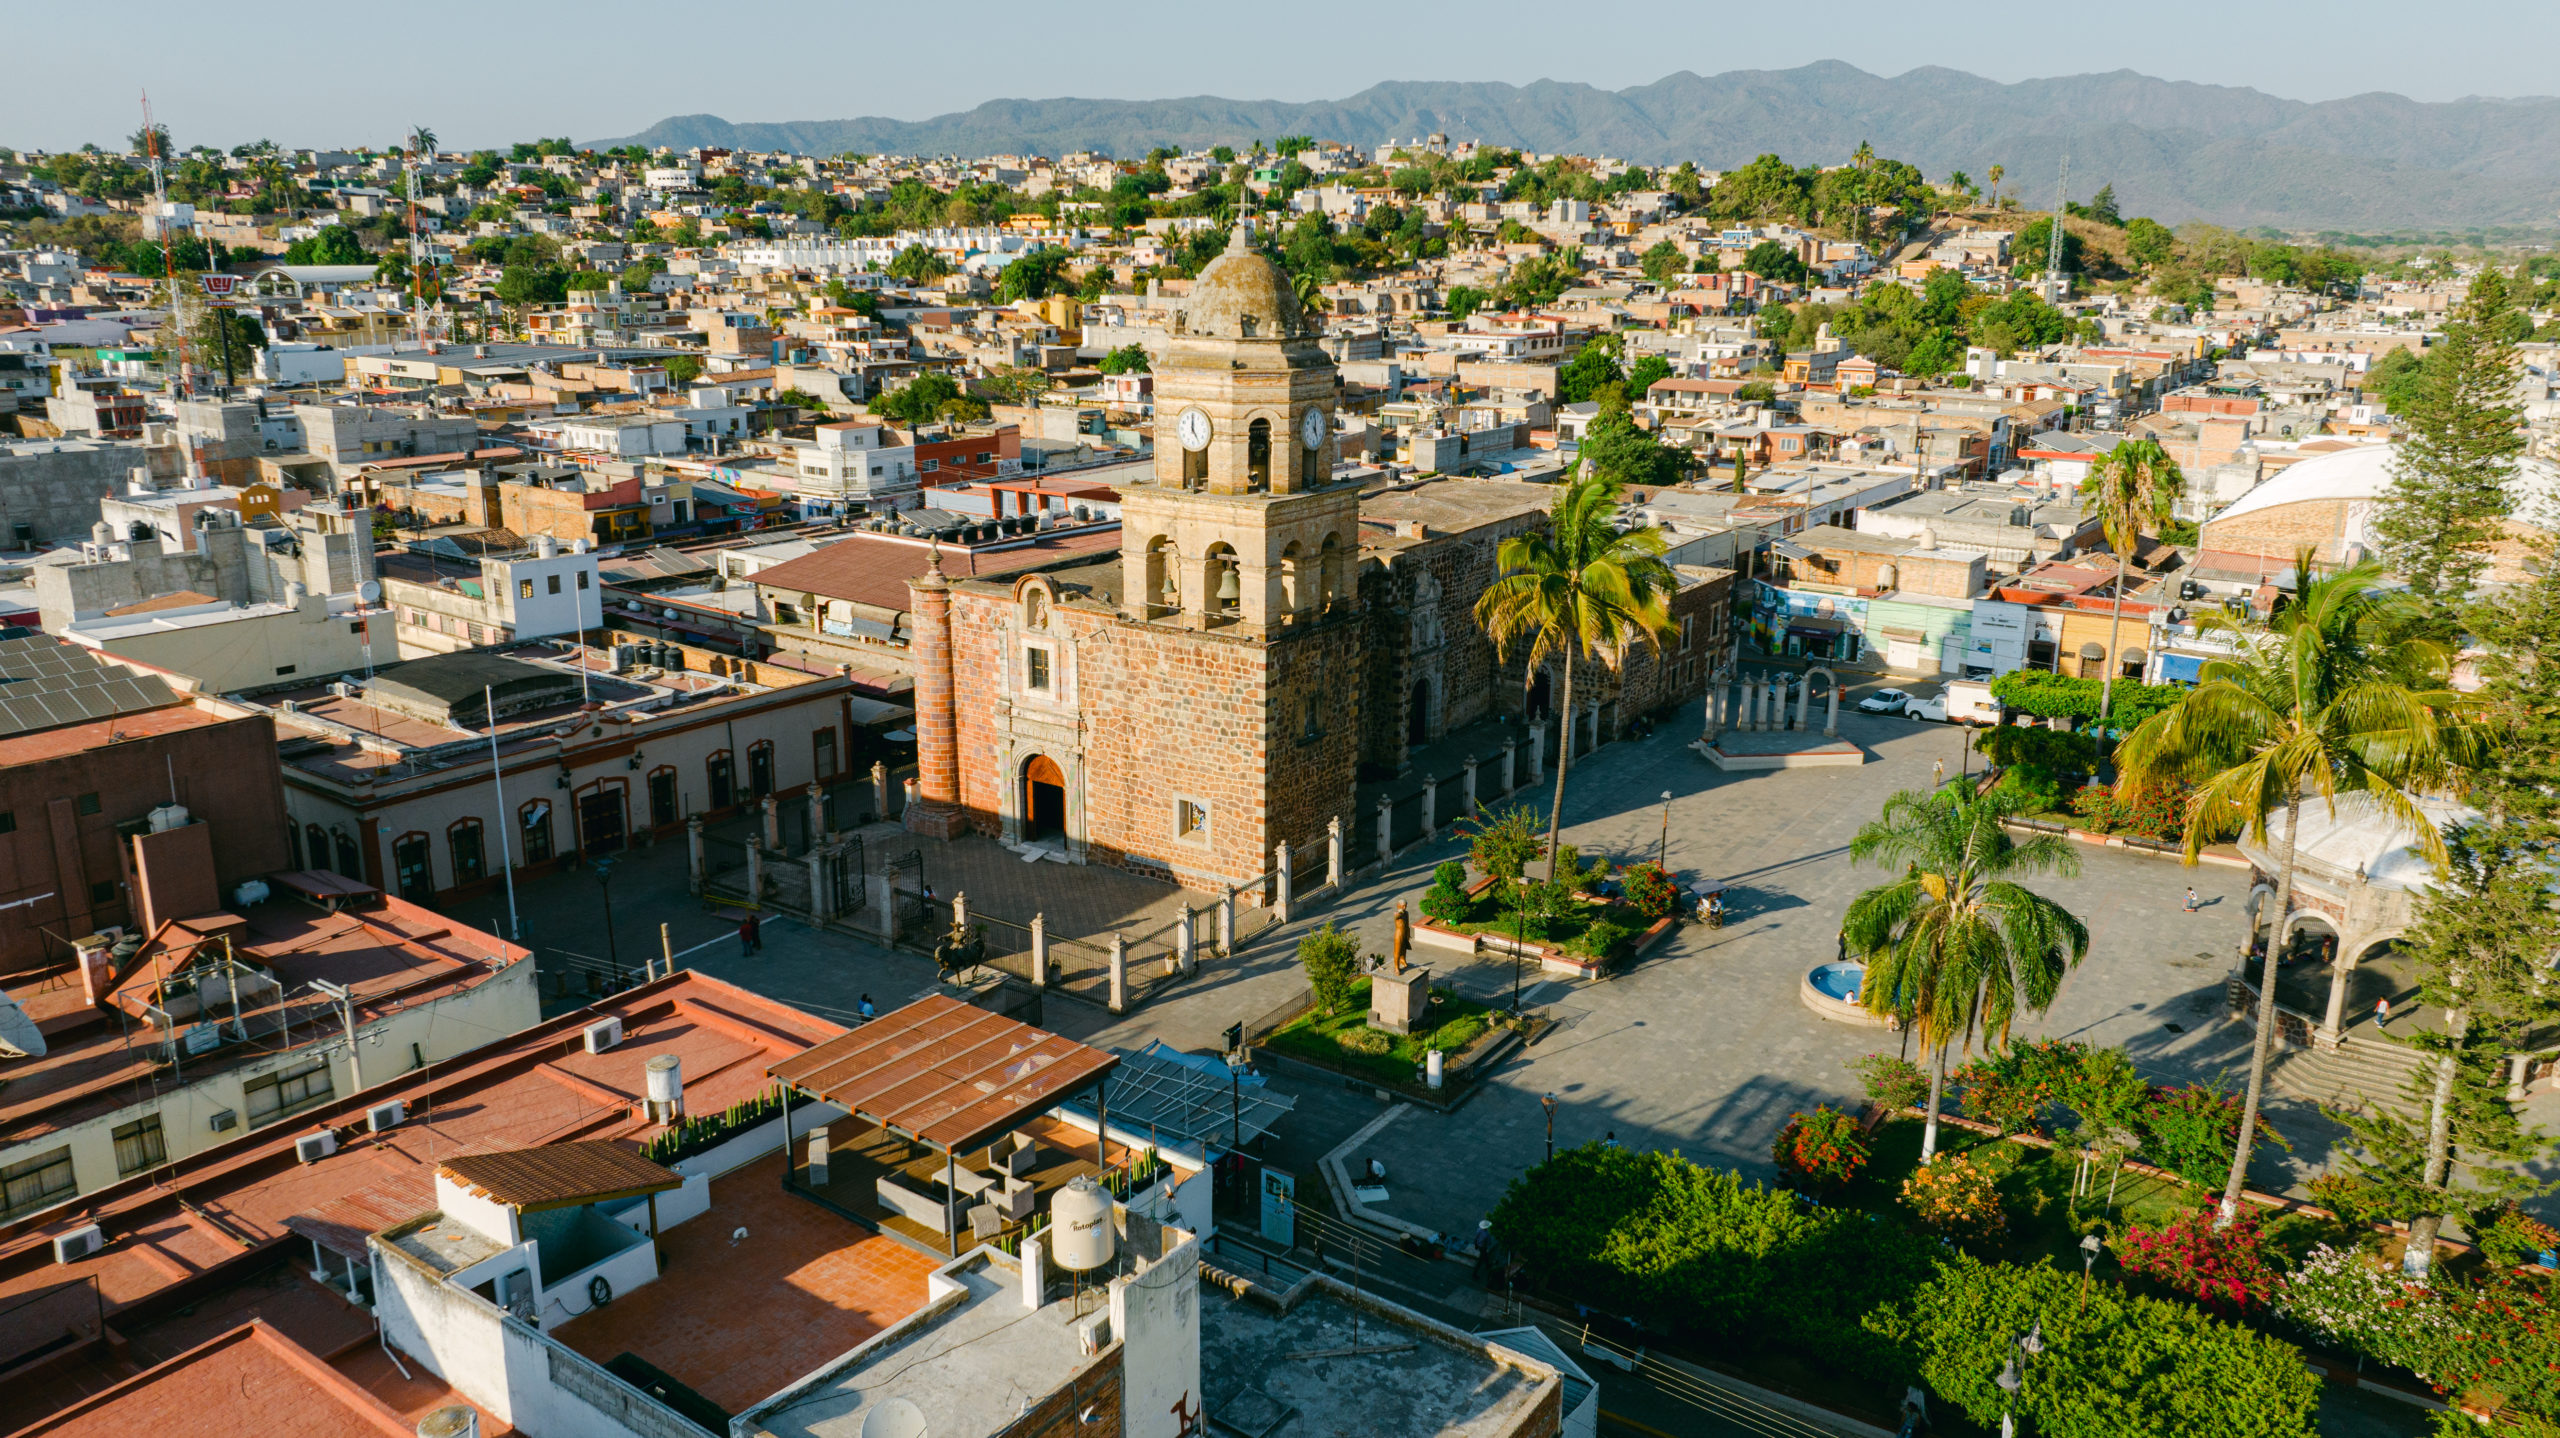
(207, 1024)
(50, 490)
(857, 464)
(2017, 529)
(89, 747)
(350, 435)
(2326, 504)
(324, 549)
(225, 647)
(438, 607)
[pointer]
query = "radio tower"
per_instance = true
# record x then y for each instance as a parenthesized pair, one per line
(2056, 288)
(166, 219)
(417, 240)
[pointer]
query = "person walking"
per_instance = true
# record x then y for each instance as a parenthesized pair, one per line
(2191, 898)
(750, 935)
(1938, 775)
(2382, 1012)
(868, 1012)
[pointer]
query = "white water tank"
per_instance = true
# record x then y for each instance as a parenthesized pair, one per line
(666, 1087)
(1081, 1238)
(545, 546)
(167, 817)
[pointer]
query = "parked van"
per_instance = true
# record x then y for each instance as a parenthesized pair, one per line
(1963, 701)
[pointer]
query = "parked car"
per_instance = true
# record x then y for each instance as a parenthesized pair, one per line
(1884, 701)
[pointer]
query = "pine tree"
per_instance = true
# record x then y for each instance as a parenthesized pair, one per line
(2448, 490)
(2519, 782)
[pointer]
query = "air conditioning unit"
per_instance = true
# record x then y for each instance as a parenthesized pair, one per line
(79, 1243)
(385, 1115)
(603, 1034)
(313, 1147)
(223, 1121)
(343, 689)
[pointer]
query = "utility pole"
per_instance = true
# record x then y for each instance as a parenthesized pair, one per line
(344, 997)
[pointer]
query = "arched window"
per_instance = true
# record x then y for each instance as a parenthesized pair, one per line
(720, 769)
(350, 863)
(533, 832)
(1293, 580)
(413, 864)
(1195, 468)
(1162, 593)
(1257, 455)
(760, 767)
(1224, 583)
(663, 801)
(315, 841)
(1329, 581)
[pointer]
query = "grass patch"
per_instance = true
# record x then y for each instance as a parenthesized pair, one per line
(1595, 930)
(1345, 1040)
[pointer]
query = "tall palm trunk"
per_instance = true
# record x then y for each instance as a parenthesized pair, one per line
(1564, 758)
(2107, 681)
(2420, 1254)
(2265, 1037)
(1937, 1096)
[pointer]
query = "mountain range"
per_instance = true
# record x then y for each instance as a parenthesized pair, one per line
(2174, 150)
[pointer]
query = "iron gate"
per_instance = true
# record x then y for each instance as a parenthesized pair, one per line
(849, 894)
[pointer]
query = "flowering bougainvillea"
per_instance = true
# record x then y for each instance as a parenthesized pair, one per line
(1820, 1150)
(2224, 1269)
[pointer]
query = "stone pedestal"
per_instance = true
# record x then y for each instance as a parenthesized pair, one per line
(1333, 852)
(755, 875)
(1399, 1003)
(817, 814)
(1510, 765)
(1386, 831)
(772, 807)
(1467, 787)
(879, 791)
(1119, 974)
(1283, 879)
(693, 850)
(1039, 951)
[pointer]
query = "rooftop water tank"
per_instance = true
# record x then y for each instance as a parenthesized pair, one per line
(665, 1076)
(1081, 1238)
(167, 817)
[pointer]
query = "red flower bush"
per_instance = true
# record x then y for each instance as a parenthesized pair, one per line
(2223, 1269)
(1820, 1150)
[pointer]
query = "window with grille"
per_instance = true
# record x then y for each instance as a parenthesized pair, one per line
(36, 1182)
(287, 1091)
(1036, 668)
(470, 864)
(139, 1146)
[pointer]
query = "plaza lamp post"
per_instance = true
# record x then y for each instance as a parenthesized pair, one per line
(1548, 1102)
(604, 879)
(2089, 1249)
(2012, 1376)
(1662, 856)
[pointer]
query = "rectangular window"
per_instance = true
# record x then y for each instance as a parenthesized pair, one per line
(8, 821)
(87, 803)
(1035, 668)
(554, 582)
(823, 746)
(1189, 818)
(534, 832)
(662, 798)
(103, 892)
(582, 579)
(283, 670)
(524, 588)
(287, 1091)
(468, 864)
(139, 1146)
(36, 1183)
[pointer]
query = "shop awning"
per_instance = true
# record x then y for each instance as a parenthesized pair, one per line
(2181, 668)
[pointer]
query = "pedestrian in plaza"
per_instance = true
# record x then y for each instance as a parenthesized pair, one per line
(2191, 898)
(1938, 774)
(750, 935)
(1611, 1141)
(868, 1012)
(2382, 1011)
(1484, 1248)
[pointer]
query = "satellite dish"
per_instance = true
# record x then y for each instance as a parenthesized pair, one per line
(894, 1418)
(19, 1036)
(369, 591)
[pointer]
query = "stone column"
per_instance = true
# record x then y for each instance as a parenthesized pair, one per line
(1510, 765)
(693, 850)
(817, 812)
(2333, 1030)
(1283, 878)
(1537, 753)
(935, 807)
(755, 874)
(820, 908)
(1386, 830)
(1039, 951)
(1333, 852)
(884, 907)
(772, 807)
(1750, 697)
(1708, 728)
(1804, 701)
(1831, 713)
(879, 790)
(1227, 921)
(1184, 958)
(1467, 787)
(1119, 974)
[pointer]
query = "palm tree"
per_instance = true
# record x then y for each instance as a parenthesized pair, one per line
(2136, 484)
(1995, 172)
(422, 142)
(1956, 946)
(1581, 586)
(2343, 694)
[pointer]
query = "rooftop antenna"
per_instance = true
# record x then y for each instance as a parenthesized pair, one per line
(2055, 287)
(420, 139)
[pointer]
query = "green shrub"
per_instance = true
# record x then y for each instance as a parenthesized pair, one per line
(1650, 890)
(1599, 939)
(1891, 1081)
(1501, 842)
(2190, 1132)
(1447, 899)
(2113, 1365)
(1820, 1151)
(1332, 961)
(2036, 790)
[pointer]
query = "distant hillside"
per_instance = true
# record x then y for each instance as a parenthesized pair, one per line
(2172, 150)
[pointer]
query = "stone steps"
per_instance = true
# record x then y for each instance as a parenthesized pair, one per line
(2360, 1071)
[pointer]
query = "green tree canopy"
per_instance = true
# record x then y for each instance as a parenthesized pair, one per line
(2448, 496)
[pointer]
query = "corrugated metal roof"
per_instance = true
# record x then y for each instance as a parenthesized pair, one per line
(954, 1075)
(559, 1174)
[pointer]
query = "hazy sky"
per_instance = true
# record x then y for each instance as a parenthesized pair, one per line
(484, 74)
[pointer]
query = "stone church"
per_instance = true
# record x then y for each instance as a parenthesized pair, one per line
(1266, 640)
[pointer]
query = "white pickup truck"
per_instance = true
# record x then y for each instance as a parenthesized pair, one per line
(1963, 701)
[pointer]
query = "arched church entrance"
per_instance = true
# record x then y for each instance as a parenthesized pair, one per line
(1417, 719)
(1541, 696)
(1044, 798)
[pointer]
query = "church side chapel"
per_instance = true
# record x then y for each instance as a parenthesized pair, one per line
(1266, 638)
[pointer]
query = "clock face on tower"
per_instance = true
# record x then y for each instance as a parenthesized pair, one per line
(1192, 428)
(1312, 429)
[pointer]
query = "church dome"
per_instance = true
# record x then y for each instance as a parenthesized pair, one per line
(1241, 295)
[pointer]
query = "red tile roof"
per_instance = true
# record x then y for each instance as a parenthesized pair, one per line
(873, 570)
